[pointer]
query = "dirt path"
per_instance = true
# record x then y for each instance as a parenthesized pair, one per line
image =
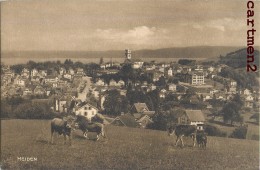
(82, 96)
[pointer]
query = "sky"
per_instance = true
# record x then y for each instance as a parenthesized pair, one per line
(100, 25)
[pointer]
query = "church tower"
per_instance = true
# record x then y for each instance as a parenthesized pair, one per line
(128, 54)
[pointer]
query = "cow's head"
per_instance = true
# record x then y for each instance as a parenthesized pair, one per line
(170, 130)
(69, 122)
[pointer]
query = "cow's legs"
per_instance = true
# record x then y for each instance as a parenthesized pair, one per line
(103, 132)
(98, 137)
(70, 139)
(177, 140)
(52, 137)
(64, 138)
(182, 141)
(194, 140)
(85, 134)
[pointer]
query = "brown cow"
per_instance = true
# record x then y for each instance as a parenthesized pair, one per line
(62, 127)
(183, 130)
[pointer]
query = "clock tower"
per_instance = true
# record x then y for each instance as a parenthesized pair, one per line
(128, 54)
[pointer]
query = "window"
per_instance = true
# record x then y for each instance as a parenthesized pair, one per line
(85, 113)
(183, 120)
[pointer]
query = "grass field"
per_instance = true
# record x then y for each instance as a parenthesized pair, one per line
(125, 148)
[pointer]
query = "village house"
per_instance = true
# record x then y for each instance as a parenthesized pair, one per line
(112, 82)
(42, 73)
(100, 82)
(9, 73)
(186, 69)
(86, 109)
(170, 72)
(25, 73)
(103, 66)
(62, 71)
(12, 91)
(141, 108)
(36, 79)
(28, 90)
(121, 83)
(151, 87)
(162, 93)
(51, 79)
(39, 90)
(6, 80)
(142, 114)
(62, 103)
(232, 89)
(71, 71)
(162, 69)
(197, 79)
(68, 76)
(137, 63)
(108, 72)
(199, 68)
(150, 67)
(233, 83)
(127, 120)
(34, 72)
(211, 69)
(249, 104)
(172, 87)
(156, 75)
(164, 65)
(192, 117)
(144, 121)
(247, 92)
(20, 81)
(80, 71)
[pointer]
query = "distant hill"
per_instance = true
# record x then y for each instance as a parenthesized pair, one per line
(238, 59)
(175, 52)
(210, 52)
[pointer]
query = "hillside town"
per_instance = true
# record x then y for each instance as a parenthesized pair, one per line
(133, 92)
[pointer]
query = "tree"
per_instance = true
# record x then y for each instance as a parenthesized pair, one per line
(159, 122)
(17, 68)
(127, 73)
(101, 61)
(33, 111)
(255, 116)
(161, 82)
(115, 103)
(186, 62)
(239, 132)
(231, 113)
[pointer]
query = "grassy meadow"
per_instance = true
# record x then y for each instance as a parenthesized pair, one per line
(124, 148)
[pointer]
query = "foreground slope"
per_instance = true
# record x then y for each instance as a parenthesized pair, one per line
(125, 148)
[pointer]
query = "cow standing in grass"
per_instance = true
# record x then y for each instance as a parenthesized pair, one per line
(62, 127)
(86, 126)
(183, 130)
(201, 138)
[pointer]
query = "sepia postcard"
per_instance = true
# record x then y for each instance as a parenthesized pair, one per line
(130, 84)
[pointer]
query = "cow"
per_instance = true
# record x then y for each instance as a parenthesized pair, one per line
(62, 127)
(86, 126)
(183, 130)
(201, 138)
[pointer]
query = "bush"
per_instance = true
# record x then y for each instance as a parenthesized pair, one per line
(214, 131)
(33, 111)
(239, 133)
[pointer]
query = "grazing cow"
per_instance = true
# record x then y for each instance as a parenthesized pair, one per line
(183, 130)
(201, 138)
(62, 127)
(86, 126)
